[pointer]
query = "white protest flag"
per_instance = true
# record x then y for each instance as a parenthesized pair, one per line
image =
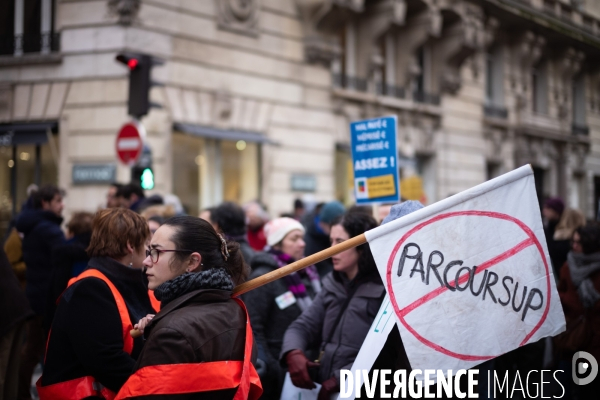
(467, 278)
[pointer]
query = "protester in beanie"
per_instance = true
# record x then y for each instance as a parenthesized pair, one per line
(318, 226)
(200, 343)
(340, 316)
(274, 306)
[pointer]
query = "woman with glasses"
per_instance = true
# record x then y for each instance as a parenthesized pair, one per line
(200, 343)
(90, 352)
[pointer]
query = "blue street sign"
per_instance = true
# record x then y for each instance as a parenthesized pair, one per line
(374, 158)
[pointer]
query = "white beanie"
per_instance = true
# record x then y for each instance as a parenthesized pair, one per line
(278, 228)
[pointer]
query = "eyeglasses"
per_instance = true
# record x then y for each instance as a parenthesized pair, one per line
(154, 253)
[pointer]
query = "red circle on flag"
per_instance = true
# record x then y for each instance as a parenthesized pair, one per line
(129, 143)
(401, 313)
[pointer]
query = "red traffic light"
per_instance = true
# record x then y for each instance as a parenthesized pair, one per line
(130, 61)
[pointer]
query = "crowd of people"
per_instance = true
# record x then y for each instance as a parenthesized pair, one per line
(71, 299)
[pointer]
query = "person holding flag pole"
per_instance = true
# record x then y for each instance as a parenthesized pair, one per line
(467, 227)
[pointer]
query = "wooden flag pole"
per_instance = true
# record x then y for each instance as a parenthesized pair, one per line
(290, 268)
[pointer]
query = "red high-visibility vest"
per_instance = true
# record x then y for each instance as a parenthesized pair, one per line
(198, 377)
(87, 386)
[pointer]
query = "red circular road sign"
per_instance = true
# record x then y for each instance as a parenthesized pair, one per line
(403, 312)
(129, 143)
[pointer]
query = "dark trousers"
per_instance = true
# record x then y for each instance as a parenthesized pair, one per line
(10, 355)
(31, 355)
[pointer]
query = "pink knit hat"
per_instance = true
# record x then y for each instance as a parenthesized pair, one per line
(276, 229)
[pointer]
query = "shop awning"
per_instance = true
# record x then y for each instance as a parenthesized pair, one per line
(26, 133)
(222, 134)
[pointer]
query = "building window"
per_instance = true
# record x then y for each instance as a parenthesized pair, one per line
(494, 85)
(27, 27)
(579, 117)
(345, 71)
(389, 67)
(539, 89)
(207, 172)
(423, 80)
(577, 192)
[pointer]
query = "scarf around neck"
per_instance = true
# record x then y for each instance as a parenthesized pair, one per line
(581, 266)
(294, 281)
(214, 278)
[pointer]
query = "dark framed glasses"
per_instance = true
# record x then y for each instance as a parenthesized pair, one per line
(155, 253)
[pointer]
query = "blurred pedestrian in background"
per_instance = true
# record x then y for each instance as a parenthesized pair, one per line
(206, 214)
(229, 219)
(579, 291)
(89, 346)
(154, 222)
(318, 226)
(111, 196)
(42, 233)
(570, 220)
(298, 210)
(131, 196)
(192, 270)
(68, 260)
(274, 306)
(14, 312)
(341, 314)
(256, 218)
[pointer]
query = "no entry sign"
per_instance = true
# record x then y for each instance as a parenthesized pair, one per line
(467, 278)
(130, 142)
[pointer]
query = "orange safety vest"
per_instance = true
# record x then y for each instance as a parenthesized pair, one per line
(87, 386)
(198, 377)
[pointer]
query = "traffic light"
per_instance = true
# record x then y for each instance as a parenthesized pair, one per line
(140, 68)
(141, 172)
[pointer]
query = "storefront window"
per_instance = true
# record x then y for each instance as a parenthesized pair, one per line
(25, 166)
(207, 172)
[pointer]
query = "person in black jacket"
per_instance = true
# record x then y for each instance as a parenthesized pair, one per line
(42, 233)
(274, 306)
(229, 219)
(90, 335)
(318, 225)
(68, 260)
(14, 311)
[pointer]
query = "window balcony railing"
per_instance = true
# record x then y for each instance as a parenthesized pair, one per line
(391, 90)
(495, 112)
(426, 98)
(350, 82)
(30, 43)
(580, 130)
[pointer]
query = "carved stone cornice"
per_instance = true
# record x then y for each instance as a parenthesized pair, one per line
(461, 38)
(125, 10)
(239, 16)
(568, 63)
(526, 50)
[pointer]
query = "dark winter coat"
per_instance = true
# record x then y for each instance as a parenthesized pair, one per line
(201, 326)
(87, 333)
(316, 241)
(42, 234)
(14, 307)
(68, 261)
(317, 323)
(269, 322)
(574, 309)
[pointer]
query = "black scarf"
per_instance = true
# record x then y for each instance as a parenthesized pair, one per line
(214, 278)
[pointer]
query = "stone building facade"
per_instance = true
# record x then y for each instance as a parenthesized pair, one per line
(257, 95)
